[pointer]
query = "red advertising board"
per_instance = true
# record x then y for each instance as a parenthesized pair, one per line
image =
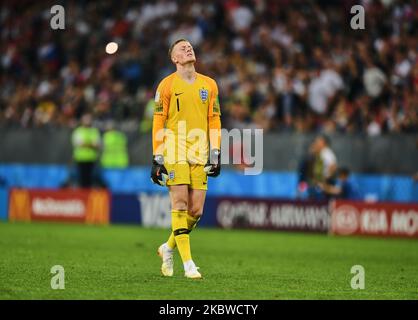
(380, 219)
(69, 205)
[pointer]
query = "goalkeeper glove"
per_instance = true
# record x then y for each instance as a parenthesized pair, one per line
(159, 174)
(213, 166)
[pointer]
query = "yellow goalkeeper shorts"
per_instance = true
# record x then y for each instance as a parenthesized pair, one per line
(185, 173)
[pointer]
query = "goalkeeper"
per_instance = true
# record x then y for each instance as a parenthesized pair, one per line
(186, 138)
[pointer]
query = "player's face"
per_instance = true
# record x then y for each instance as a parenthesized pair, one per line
(183, 53)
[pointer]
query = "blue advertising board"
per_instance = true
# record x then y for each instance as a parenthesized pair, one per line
(151, 210)
(125, 208)
(4, 199)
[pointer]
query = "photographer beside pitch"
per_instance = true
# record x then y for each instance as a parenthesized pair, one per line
(187, 107)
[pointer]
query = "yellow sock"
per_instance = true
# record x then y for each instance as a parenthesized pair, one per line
(183, 245)
(171, 242)
(191, 224)
(181, 233)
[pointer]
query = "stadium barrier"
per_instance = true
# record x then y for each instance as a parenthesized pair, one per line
(269, 184)
(282, 151)
(65, 205)
(380, 219)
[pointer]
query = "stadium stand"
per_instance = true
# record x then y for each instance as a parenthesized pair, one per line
(272, 73)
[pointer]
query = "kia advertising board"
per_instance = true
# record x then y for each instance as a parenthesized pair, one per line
(379, 219)
(67, 205)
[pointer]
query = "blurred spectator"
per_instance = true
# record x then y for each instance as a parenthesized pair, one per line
(343, 188)
(280, 65)
(115, 148)
(317, 167)
(86, 143)
(325, 162)
(146, 122)
(374, 79)
(305, 173)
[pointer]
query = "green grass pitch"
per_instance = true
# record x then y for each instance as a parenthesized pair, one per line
(120, 262)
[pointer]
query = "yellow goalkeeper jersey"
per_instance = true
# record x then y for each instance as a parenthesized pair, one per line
(186, 108)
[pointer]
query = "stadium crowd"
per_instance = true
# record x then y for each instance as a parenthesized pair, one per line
(283, 65)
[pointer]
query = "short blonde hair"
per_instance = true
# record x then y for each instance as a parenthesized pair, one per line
(170, 50)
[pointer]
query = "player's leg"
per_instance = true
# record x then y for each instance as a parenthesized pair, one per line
(197, 194)
(179, 174)
(179, 204)
(179, 201)
(196, 200)
(195, 209)
(179, 181)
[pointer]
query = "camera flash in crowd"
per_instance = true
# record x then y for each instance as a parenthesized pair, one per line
(111, 47)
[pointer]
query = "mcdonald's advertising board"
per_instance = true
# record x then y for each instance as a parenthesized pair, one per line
(64, 205)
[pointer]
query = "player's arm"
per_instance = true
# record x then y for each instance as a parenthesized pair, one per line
(213, 167)
(330, 189)
(162, 100)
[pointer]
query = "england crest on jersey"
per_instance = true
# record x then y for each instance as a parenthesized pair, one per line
(203, 93)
